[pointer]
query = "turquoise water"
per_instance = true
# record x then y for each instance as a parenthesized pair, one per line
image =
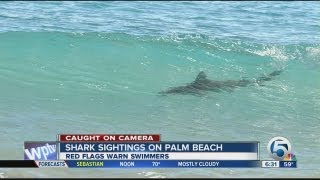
(97, 67)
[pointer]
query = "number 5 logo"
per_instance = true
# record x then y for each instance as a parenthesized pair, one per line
(279, 147)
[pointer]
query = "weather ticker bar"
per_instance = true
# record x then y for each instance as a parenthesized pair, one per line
(147, 164)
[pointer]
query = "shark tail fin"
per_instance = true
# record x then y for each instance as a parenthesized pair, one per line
(276, 73)
(201, 76)
(269, 76)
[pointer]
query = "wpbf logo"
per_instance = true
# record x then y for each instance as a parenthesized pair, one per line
(279, 148)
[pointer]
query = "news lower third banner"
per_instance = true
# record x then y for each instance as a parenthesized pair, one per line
(133, 154)
(148, 151)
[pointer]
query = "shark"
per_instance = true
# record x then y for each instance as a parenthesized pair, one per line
(202, 84)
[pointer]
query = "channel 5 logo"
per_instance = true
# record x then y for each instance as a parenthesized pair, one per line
(279, 148)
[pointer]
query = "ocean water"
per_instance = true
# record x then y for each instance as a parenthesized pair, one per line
(97, 67)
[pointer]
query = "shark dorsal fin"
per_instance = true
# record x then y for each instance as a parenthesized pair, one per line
(201, 76)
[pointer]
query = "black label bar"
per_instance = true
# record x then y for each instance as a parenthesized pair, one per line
(18, 164)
